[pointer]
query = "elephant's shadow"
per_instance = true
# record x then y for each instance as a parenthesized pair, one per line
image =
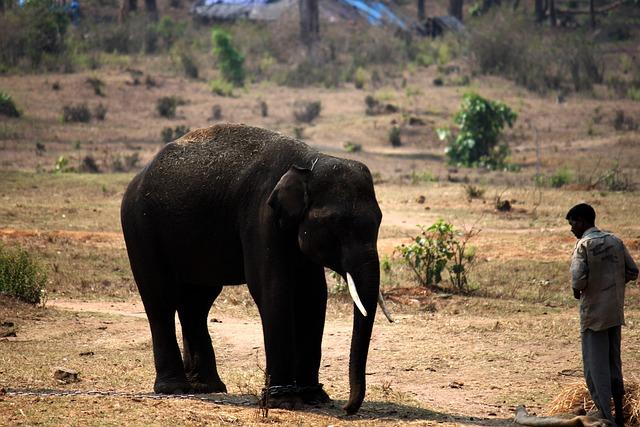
(373, 410)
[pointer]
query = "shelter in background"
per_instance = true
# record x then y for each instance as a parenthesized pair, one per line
(374, 11)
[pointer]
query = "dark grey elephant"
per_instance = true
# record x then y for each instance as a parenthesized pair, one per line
(234, 204)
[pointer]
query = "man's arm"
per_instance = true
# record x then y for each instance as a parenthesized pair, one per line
(579, 268)
(630, 267)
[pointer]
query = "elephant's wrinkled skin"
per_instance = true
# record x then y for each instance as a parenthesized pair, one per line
(233, 204)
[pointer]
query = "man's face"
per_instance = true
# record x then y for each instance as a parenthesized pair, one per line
(578, 226)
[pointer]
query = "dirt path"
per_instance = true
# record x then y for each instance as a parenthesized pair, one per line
(454, 362)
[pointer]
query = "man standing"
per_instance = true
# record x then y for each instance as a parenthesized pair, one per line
(600, 268)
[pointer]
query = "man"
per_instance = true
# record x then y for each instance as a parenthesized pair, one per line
(600, 268)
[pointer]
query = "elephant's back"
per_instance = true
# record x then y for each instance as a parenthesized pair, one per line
(223, 164)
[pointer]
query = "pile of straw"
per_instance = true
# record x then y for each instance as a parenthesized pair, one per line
(575, 397)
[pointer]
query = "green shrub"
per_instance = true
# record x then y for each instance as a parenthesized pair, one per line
(97, 84)
(169, 31)
(560, 178)
(100, 112)
(167, 105)
(7, 106)
(306, 111)
(221, 87)
(33, 31)
(168, 134)
(481, 122)
(394, 136)
(189, 65)
(473, 192)
(429, 253)
(62, 165)
(230, 60)
(76, 113)
(21, 276)
(351, 147)
(423, 177)
(360, 77)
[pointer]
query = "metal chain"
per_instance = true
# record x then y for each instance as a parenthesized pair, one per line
(44, 392)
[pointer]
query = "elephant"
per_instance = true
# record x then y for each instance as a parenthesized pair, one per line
(234, 204)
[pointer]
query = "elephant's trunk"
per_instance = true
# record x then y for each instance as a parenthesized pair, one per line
(367, 283)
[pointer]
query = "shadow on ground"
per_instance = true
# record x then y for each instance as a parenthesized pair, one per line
(376, 410)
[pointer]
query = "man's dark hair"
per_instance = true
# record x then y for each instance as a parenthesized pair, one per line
(582, 211)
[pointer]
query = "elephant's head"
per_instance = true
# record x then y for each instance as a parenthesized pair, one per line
(333, 207)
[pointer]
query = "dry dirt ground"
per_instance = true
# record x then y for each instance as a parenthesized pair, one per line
(448, 359)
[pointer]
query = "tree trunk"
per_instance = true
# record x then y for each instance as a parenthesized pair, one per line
(455, 8)
(539, 10)
(592, 12)
(552, 12)
(127, 6)
(152, 9)
(421, 14)
(309, 22)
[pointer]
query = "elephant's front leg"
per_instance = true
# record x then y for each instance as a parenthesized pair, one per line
(276, 310)
(309, 311)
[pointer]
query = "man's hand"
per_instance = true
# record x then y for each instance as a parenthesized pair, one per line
(576, 293)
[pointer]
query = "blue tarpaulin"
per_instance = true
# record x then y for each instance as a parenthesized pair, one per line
(374, 11)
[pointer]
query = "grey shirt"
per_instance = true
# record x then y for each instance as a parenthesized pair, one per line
(600, 267)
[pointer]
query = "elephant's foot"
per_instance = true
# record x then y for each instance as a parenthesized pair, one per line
(313, 395)
(171, 387)
(209, 387)
(283, 397)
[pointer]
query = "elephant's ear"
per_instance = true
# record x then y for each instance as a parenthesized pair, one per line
(289, 198)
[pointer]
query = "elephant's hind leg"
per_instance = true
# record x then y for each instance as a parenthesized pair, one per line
(199, 357)
(158, 297)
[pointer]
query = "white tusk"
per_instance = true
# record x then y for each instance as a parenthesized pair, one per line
(383, 306)
(354, 295)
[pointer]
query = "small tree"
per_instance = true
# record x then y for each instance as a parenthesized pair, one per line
(230, 61)
(480, 122)
(430, 252)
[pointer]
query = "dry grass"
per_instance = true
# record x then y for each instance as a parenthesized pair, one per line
(576, 396)
(502, 347)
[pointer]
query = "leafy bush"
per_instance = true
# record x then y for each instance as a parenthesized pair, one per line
(7, 106)
(306, 111)
(62, 165)
(560, 178)
(423, 177)
(351, 147)
(168, 134)
(360, 77)
(21, 276)
(169, 31)
(76, 113)
(89, 165)
(97, 85)
(189, 65)
(394, 136)
(32, 31)
(473, 192)
(481, 122)
(100, 112)
(230, 61)
(167, 105)
(429, 253)
(436, 249)
(221, 87)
